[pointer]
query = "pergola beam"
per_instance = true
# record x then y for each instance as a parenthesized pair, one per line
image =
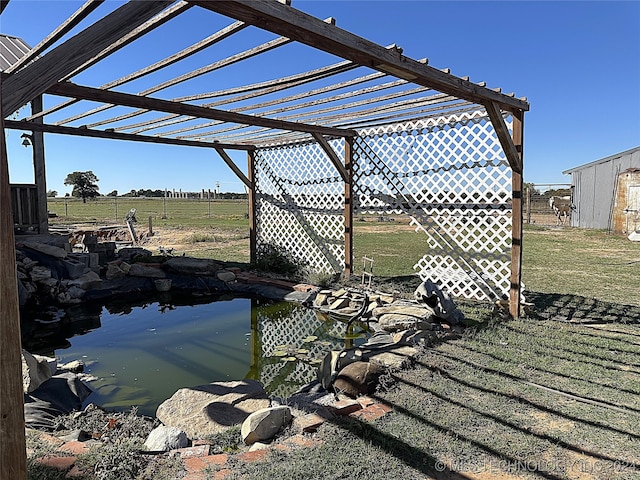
(513, 156)
(283, 20)
(34, 79)
(231, 164)
(332, 156)
(85, 132)
(68, 89)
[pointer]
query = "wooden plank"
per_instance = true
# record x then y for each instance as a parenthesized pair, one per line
(85, 132)
(304, 28)
(348, 208)
(87, 93)
(234, 167)
(516, 221)
(332, 156)
(149, 25)
(57, 34)
(39, 169)
(13, 461)
(278, 42)
(253, 221)
(515, 160)
(23, 86)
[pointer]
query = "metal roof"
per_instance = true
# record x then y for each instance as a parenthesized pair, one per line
(12, 49)
(602, 160)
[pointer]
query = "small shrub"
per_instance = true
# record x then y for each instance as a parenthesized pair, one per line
(275, 259)
(200, 238)
(226, 441)
(321, 279)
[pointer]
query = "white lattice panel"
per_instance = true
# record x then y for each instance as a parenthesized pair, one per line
(450, 175)
(299, 204)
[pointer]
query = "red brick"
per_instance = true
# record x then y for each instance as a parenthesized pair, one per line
(255, 456)
(75, 472)
(304, 287)
(47, 438)
(219, 459)
(345, 407)
(310, 422)
(302, 441)
(365, 401)
(57, 461)
(193, 464)
(195, 476)
(220, 474)
(74, 447)
(372, 412)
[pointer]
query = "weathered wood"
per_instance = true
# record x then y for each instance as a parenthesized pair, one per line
(231, 164)
(304, 28)
(149, 25)
(13, 461)
(57, 34)
(85, 132)
(26, 84)
(516, 220)
(39, 169)
(136, 101)
(500, 127)
(183, 78)
(253, 221)
(348, 207)
(333, 156)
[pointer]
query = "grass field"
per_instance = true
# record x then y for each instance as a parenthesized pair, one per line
(554, 395)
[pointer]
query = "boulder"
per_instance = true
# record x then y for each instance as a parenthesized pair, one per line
(87, 281)
(192, 266)
(394, 358)
(163, 439)
(226, 276)
(146, 271)
(51, 250)
(212, 408)
(114, 271)
(359, 378)
(35, 371)
(39, 273)
(265, 424)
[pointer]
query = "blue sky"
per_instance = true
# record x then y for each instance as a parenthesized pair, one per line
(578, 64)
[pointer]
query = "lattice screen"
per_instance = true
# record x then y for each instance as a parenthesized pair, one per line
(450, 175)
(300, 204)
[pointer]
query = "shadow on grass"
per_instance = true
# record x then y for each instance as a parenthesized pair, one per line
(578, 309)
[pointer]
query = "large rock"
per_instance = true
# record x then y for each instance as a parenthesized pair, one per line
(359, 378)
(394, 358)
(265, 424)
(192, 266)
(395, 322)
(163, 439)
(212, 408)
(40, 273)
(146, 271)
(87, 281)
(35, 371)
(52, 251)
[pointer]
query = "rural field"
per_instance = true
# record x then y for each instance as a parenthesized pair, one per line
(553, 395)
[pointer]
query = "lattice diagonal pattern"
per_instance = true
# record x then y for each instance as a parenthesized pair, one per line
(300, 202)
(450, 175)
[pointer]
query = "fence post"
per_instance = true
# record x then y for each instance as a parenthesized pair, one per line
(115, 202)
(528, 205)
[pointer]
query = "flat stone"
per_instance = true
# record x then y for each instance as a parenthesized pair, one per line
(52, 251)
(146, 271)
(394, 358)
(192, 266)
(340, 303)
(265, 424)
(401, 309)
(87, 281)
(212, 408)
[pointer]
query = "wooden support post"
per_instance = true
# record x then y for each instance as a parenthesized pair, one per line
(348, 207)
(40, 178)
(13, 456)
(528, 205)
(516, 219)
(150, 226)
(253, 223)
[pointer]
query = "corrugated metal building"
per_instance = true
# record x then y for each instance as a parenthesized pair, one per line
(594, 186)
(12, 49)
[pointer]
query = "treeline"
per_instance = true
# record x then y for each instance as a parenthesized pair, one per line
(160, 193)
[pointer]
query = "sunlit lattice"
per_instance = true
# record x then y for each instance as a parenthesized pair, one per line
(300, 203)
(450, 175)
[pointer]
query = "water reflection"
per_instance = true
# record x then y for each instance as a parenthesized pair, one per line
(142, 349)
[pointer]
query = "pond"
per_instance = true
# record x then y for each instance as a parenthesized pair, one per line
(142, 350)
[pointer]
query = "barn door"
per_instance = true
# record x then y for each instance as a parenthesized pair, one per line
(633, 208)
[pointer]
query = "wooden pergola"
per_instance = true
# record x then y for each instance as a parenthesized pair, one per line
(367, 85)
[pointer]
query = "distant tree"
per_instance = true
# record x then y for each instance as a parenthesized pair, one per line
(52, 193)
(532, 187)
(113, 194)
(84, 185)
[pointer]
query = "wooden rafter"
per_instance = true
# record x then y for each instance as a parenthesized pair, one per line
(86, 132)
(58, 33)
(333, 156)
(181, 55)
(231, 164)
(278, 42)
(504, 137)
(304, 28)
(34, 79)
(68, 89)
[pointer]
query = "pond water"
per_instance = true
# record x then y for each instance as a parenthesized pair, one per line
(142, 351)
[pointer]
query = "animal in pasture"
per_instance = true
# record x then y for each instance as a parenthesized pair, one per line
(562, 207)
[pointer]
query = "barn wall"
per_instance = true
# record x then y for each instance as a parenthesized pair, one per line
(594, 188)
